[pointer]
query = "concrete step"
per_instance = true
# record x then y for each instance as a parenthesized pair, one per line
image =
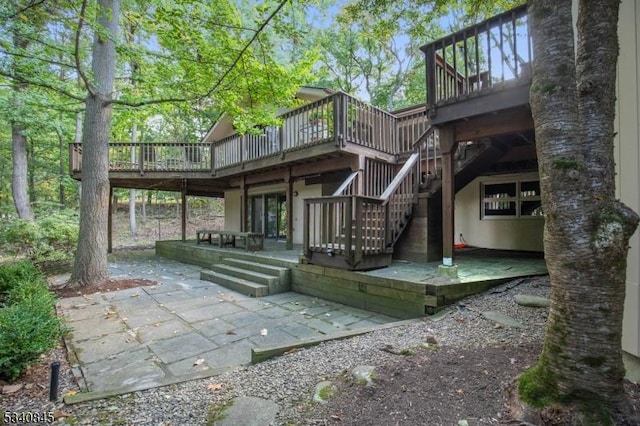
(240, 285)
(283, 273)
(245, 274)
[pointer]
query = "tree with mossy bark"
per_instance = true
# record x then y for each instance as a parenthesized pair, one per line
(587, 230)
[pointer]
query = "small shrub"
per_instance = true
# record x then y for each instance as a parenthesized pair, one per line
(14, 274)
(50, 238)
(29, 325)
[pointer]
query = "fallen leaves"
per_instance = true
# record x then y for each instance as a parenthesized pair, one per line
(60, 414)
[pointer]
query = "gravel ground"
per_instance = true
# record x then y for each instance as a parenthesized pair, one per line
(289, 380)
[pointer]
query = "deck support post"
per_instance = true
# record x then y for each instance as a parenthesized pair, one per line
(110, 222)
(289, 181)
(447, 148)
(359, 166)
(184, 209)
(244, 205)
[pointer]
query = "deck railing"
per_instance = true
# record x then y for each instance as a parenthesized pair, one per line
(410, 128)
(479, 57)
(144, 157)
(338, 119)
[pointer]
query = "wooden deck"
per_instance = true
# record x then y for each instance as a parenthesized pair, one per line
(331, 130)
(480, 70)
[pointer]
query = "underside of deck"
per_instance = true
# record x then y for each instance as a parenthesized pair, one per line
(402, 290)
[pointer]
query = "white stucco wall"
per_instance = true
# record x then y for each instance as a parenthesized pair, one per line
(495, 233)
(304, 191)
(232, 210)
(232, 204)
(627, 154)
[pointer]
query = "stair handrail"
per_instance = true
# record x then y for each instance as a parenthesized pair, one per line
(423, 136)
(346, 184)
(402, 174)
(393, 225)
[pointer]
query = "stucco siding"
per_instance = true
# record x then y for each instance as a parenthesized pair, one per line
(232, 205)
(502, 233)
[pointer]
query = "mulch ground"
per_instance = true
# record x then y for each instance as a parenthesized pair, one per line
(111, 284)
(445, 386)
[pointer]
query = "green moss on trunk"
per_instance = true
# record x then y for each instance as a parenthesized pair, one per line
(538, 386)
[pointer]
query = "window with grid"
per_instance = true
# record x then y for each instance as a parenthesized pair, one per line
(513, 199)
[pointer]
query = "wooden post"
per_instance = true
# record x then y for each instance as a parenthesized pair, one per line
(290, 195)
(430, 74)
(184, 210)
(110, 222)
(360, 188)
(305, 230)
(447, 147)
(244, 206)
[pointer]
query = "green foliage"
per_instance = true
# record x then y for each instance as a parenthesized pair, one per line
(52, 237)
(537, 385)
(28, 322)
(12, 274)
(218, 412)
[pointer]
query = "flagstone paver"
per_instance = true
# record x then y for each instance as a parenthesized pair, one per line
(183, 328)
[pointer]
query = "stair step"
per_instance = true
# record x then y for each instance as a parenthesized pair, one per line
(240, 285)
(257, 277)
(281, 273)
(276, 271)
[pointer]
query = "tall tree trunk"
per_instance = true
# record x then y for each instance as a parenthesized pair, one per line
(91, 257)
(78, 139)
(31, 170)
(132, 192)
(61, 171)
(143, 205)
(587, 230)
(19, 177)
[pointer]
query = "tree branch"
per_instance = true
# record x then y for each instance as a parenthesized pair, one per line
(151, 101)
(24, 9)
(76, 50)
(244, 49)
(46, 61)
(42, 84)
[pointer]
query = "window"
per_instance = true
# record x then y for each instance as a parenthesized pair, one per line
(519, 199)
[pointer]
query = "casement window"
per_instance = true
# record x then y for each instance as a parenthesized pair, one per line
(511, 200)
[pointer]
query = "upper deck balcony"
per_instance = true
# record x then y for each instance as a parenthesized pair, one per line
(337, 126)
(481, 69)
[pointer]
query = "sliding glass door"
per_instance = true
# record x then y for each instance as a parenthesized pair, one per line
(268, 215)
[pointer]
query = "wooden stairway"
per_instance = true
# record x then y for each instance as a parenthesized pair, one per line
(358, 226)
(357, 231)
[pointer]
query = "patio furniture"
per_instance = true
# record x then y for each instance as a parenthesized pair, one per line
(253, 241)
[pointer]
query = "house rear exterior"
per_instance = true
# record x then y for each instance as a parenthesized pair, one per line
(357, 187)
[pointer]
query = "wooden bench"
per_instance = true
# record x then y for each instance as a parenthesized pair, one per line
(253, 241)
